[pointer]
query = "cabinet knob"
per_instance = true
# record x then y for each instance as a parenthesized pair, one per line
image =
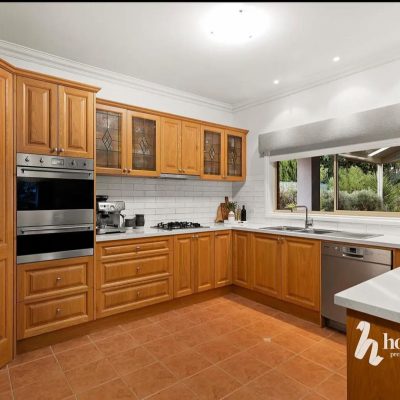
(137, 294)
(58, 279)
(128, 171)
(137, 248)
(55, 150)
(58, 310)
(183, 171)
(124, 170)
(138, 269)
(62, 150)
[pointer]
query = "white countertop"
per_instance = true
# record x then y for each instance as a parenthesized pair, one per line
(391, 241)
(379, 296)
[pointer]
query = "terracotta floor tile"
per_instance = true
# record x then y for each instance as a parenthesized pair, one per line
(244, 393)
(334, 388)
(176, 392)
(70, 344)
(148, 333)
(186, 364)
(131, 360)
(34, 371)
(212, 384)
(343, 371)
(306, 372)
(113, 390)
(216, 350)
(194, 336)
(270, 353)
(165, 347)
(55, 388)
(313, 396)
(5, 385)
(323, 354)
(337, 341)
(6, 395)
(242, 339)
(105, 333)
(198, 317)
(163, 316)
(293, 342)
(265, 310)
(30, 356)
(90, 375)
(77, 357)
(139, 323)
(221, 326)
(149, 380)
(277, 386)
(267, 328)
(116, 344)
(176, 324)
(244, 367)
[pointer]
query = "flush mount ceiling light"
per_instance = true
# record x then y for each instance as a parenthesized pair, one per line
(336, 59)
(233, 23)
(276, 82)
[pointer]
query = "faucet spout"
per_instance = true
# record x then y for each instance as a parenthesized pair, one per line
(308, 221)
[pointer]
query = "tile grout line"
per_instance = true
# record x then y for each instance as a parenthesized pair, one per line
(63, 372)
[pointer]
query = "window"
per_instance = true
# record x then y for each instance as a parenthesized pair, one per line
(361, 181)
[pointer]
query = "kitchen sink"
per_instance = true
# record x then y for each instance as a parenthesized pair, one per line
(284, 228)
(316, 231)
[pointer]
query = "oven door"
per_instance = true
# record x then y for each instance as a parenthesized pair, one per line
(36, 244)
(50, 196)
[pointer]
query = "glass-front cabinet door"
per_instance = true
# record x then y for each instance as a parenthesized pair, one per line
(143, 144)
(110, 139)
(212, 145)
(235, 156)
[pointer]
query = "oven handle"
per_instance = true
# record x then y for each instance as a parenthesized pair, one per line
(53, 229)
(32, 172)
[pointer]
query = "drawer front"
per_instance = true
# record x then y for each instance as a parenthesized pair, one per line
(49, 315)
(129, 271)
(55, 278)
(134, 248)
(128, 298)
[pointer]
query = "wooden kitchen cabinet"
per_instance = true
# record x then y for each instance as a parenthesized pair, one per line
(190, 148)
(76, 118)
(241, 248)
(193, 263)
(267, 264)
(143, 144)
(301, 272)
(212, 153)
(6, 215)
(37, 116)
(223, 258)
(235, 156)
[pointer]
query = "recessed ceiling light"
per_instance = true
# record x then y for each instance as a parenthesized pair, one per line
(232, 23)
(336, 59)
(276, 82)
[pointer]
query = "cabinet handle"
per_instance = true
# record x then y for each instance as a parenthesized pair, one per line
(58, 279)
(124, 170)
(137, 294)
(128, 171)
(54, 150)
(137, 269)
(62, 150)
(137, 248)
(58, 310)
(183, 170)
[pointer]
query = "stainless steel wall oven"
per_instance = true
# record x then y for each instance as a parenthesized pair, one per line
(55, 201)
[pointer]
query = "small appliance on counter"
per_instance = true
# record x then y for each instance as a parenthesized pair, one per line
(170, 226)
(108, 216)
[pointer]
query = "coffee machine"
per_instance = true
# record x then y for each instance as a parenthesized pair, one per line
(108, 216)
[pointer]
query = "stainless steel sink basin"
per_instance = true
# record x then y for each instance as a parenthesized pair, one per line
(283, 228)
(316, 231)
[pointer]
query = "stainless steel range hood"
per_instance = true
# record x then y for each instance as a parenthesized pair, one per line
(180, 177)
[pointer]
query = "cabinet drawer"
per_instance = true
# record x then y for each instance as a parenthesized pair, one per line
(129, 271)
(136, 296)
(49, 315)
(54, 278)
(135, 248)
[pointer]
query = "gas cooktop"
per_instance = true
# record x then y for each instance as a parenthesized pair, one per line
(178, 225)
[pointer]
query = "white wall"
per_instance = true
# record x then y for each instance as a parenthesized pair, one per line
(369, 89)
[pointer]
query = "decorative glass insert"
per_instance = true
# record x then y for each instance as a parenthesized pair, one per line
(212, 153)
(108, 139)
(234, 155)
(144, 144)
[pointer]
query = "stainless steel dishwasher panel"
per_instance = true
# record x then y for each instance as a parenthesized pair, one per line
(344, 266)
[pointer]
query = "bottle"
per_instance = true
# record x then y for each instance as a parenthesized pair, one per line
(243, 214)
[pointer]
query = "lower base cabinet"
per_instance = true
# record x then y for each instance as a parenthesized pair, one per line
(241, 248)
(223, 258)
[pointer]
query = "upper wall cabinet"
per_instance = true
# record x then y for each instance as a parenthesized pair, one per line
(235, 156)
(54, 119)
(180, 147)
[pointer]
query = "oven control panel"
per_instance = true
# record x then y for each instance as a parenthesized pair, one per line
(37, 160)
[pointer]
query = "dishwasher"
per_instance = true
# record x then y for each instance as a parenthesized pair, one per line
(344, 266)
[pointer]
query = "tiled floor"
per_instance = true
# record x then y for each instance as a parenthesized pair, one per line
(226, 348)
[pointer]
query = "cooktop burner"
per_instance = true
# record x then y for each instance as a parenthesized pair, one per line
(178, 225)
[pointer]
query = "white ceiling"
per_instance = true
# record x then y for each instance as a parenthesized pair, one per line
(166, 43)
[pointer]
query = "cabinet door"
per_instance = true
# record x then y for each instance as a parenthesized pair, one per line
(266, 264)
(36, 116)
(110, 140)
(190, 148)
(223, 258)
(212, 153)
(301, 272)
(143, 144)
(183, 266)
(76, 122)
(170, 146)
(203, 254)
(6, 217)
(241, 259)
(235, 157)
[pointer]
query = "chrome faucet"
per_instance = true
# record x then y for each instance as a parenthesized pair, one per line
(308, 221)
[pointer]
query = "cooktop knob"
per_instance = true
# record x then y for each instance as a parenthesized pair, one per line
(41, 160)
(27, 159)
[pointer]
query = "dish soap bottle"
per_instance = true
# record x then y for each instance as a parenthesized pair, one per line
(243, 214)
